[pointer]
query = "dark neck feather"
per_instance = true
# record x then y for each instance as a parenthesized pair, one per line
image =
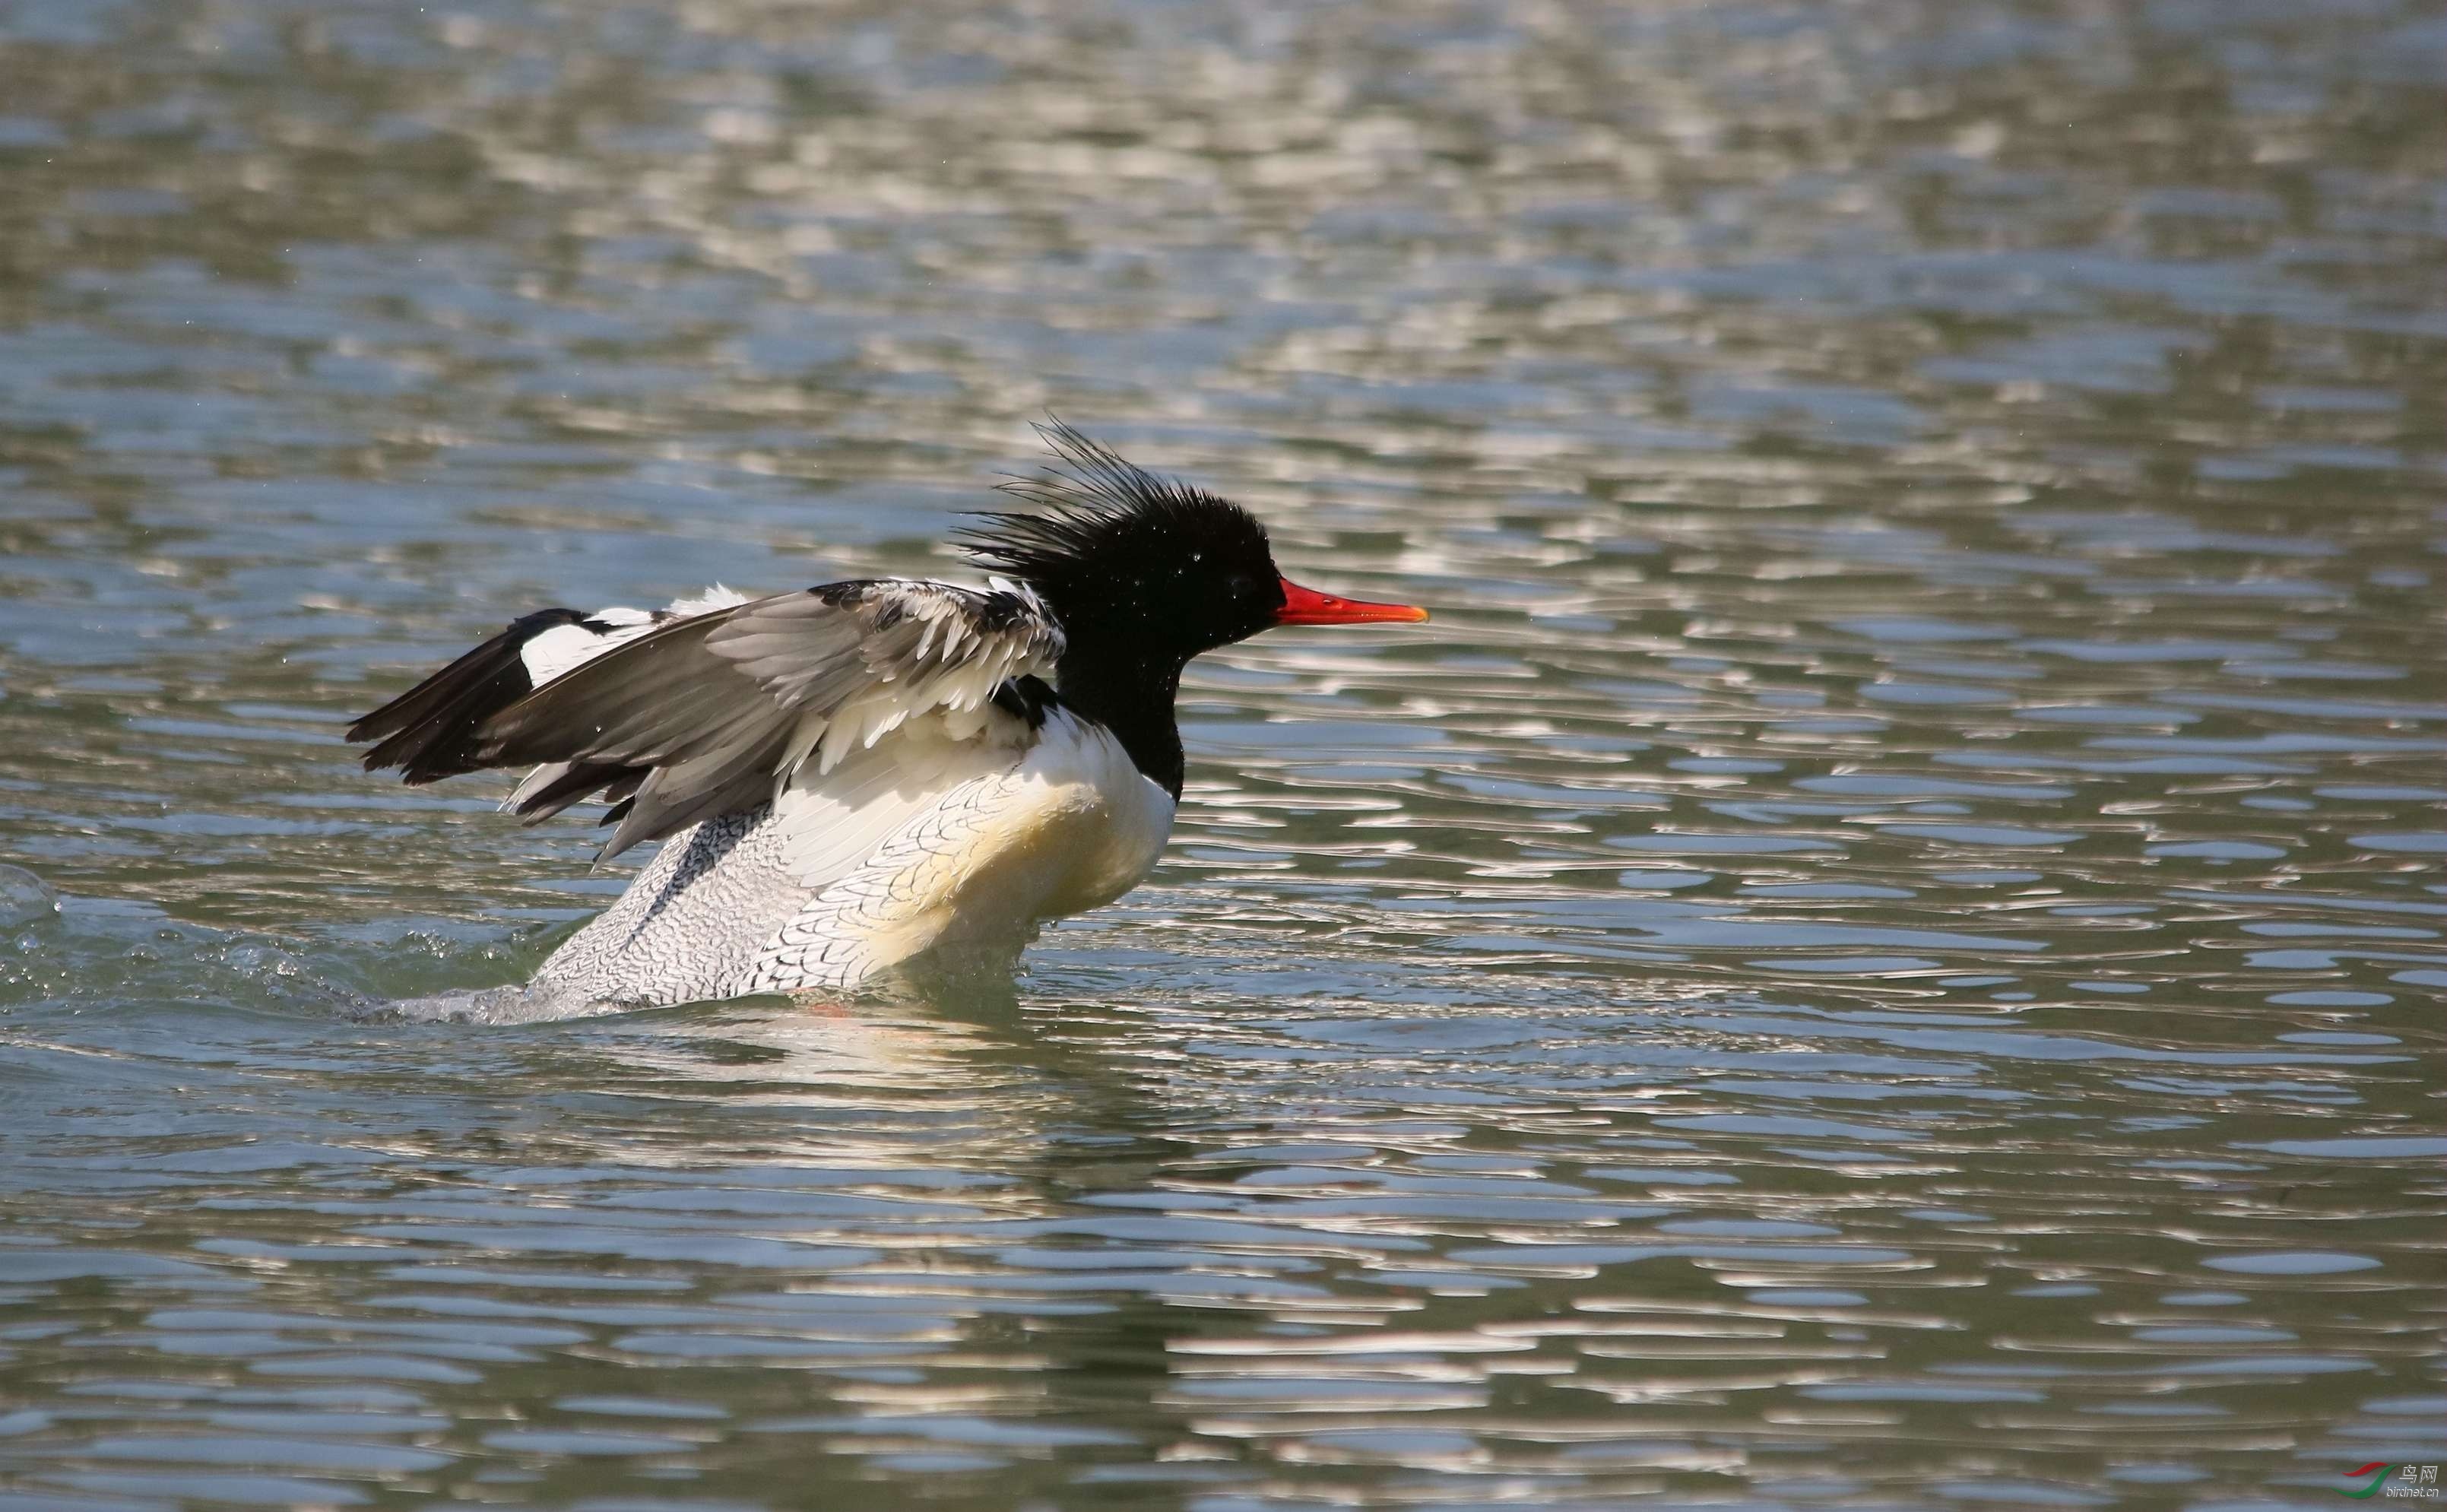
(1130, 693)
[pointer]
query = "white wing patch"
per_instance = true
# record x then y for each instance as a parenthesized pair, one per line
(712, 598)
(562, 647)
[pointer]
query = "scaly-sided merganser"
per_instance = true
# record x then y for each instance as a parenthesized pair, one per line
(857, 772)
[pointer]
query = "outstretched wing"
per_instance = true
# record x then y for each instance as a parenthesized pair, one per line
(418, 730)
(708, 715)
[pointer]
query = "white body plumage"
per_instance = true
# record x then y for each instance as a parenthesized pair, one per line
(955, 822)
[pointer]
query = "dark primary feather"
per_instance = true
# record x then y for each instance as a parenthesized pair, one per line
(422, 729)
(708, 733)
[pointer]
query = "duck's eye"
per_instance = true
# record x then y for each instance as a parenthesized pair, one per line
(1239, 585)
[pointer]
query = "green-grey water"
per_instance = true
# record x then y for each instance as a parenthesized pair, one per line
(1882, 951)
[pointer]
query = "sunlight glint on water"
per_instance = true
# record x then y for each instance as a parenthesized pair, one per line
(1883, 950)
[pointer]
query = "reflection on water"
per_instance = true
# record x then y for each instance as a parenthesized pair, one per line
(1882, 951)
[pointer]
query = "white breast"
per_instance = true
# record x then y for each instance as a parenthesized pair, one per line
(1095, 806)
(898, 864)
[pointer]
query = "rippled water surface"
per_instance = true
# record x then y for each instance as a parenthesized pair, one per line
(1882, 951)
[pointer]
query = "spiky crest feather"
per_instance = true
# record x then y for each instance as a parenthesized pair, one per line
(1099, 513)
